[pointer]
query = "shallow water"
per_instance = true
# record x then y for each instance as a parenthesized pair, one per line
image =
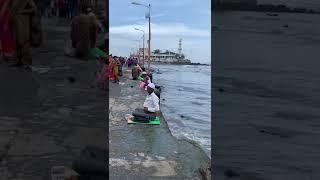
(186, 101)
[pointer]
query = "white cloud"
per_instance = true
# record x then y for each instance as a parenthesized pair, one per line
(161, 29)
(196, 42)
(141, 18)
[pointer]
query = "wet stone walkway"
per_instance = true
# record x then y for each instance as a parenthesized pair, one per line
(145, 151)
(46, 118)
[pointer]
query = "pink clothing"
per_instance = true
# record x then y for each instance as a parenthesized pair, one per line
(142, 84)
(104, 73)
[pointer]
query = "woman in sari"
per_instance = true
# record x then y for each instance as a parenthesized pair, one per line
(115, 67)
(22, 12)
(8, 45)
(111, 74)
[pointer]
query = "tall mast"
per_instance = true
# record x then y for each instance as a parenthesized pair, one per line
(180, 46)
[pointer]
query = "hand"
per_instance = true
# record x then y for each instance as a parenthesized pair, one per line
(145, 109)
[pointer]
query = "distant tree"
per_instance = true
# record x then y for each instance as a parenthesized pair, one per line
(157, 51)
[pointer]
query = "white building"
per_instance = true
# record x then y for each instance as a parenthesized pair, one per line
(163, 57)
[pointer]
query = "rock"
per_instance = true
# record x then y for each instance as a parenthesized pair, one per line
(231, 173)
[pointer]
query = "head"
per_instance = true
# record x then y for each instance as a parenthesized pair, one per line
(144, 74)
(150, 88)
(88, 10)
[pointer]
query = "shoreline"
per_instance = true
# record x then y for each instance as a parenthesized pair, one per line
(193, 142)
(266, 8)
(183, 137)
(196, 64)
(168, 156)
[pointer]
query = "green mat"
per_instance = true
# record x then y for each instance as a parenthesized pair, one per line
(96, 53)
(139, 78)
(156, 121)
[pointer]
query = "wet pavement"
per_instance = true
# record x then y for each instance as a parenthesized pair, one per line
(46, 119)
(145, 151)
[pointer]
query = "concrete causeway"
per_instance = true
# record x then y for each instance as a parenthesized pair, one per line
(146, 151)
(46, 120)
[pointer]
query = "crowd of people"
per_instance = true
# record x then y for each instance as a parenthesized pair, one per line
(20, 27)
(66, 8)
(115, 68)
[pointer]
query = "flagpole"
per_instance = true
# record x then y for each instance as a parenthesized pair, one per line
(149, 42)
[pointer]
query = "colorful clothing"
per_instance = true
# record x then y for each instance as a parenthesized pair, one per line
(22, 17)
(8, 45)
(111, 74)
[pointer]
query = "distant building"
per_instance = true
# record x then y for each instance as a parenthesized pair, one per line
(166, 56)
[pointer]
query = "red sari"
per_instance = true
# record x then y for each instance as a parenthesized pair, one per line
(8, 44)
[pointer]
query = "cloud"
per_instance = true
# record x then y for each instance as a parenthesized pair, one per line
(174, 29)
(173, 19)
(196, 48)
(171, 3)
(141, 18)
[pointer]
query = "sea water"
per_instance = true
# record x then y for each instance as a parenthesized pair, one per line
(186, 101)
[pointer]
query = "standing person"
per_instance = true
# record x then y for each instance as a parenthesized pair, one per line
(8, 44)
(119, 66)
(73, 8)
(111, 74)
(22, 20)
(115, 70)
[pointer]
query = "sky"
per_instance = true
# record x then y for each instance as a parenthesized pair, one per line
(171, 20)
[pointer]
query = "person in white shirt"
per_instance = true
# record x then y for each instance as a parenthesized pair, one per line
(151, 104)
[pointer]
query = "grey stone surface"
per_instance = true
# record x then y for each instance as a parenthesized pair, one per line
(45, 120)
(145, 151)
